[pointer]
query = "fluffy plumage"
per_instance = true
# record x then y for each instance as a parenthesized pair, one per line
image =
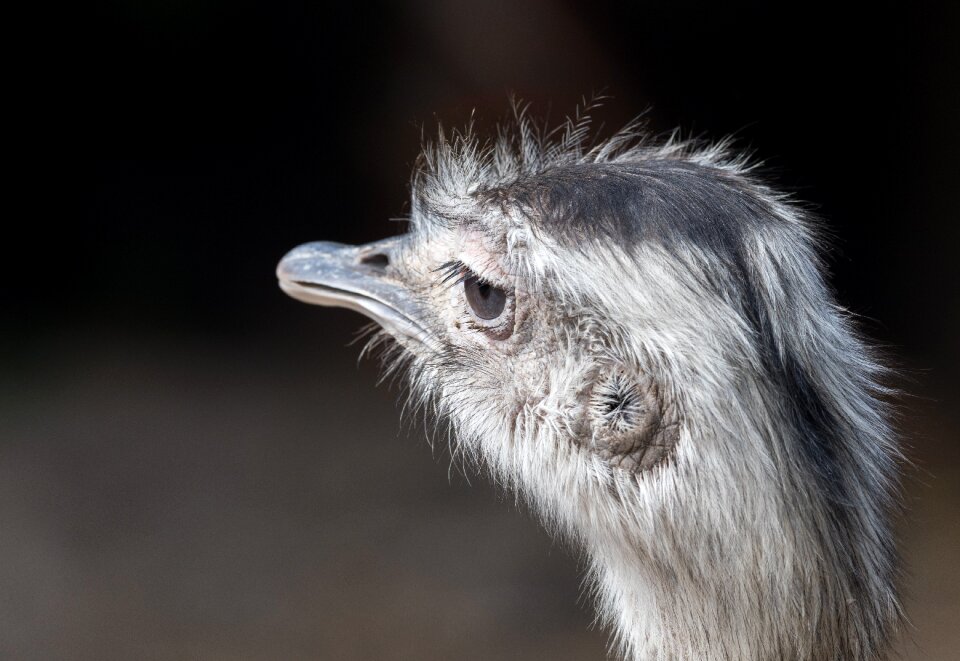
(678, 394)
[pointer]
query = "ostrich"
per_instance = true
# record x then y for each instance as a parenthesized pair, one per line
(637, 337)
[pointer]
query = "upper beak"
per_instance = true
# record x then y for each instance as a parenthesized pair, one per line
(353, 277)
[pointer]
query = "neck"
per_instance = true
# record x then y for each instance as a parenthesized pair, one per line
(710, 594)
(770, 569)
(667, 612)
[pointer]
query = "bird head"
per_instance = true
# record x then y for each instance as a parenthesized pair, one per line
(575, 315)
(637, 338)
(549, 349)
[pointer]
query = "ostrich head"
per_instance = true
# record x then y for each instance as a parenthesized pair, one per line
(637, 337)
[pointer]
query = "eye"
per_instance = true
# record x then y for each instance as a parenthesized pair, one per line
(491, 307)
(486, 301)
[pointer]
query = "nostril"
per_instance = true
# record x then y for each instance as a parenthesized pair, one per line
(377, 260)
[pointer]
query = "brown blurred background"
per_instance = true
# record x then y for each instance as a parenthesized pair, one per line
(194, 466)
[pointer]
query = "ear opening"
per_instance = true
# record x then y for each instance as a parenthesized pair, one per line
(631, 425)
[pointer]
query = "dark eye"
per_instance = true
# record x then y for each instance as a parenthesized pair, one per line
(486, 301)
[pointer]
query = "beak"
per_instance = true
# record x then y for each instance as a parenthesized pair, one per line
(356, 278)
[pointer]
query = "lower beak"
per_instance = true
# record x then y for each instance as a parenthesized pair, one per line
(353, 277)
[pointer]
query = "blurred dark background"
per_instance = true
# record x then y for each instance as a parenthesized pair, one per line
(194, 466)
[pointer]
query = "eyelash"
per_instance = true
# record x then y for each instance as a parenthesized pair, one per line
(450, 270)
(454, 272)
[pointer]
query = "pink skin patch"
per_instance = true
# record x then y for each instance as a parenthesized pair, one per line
(476, 253)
